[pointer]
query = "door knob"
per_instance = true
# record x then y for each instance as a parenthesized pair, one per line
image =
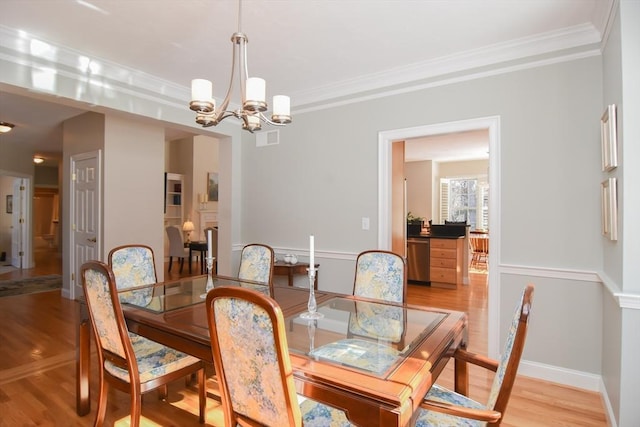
(93, 239)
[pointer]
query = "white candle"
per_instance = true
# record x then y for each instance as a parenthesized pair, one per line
(209, 244)
(201, 90)
(311, 257)
(281, 105)
(256, 89)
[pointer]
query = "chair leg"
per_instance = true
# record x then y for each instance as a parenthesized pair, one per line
(136, 406)
(163, 392)
(181, 264)
(202, 396)
(170, 261)
(102, 401)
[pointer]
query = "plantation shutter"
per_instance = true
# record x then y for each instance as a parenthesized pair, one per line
(444, 200)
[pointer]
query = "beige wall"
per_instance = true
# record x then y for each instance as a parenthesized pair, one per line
(420, 187)
(133, 170)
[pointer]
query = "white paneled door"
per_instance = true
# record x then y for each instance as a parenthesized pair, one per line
(20, 220)
(85, 211)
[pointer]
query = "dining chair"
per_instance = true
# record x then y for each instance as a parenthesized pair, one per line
(256, 263)
(251, 357)
(129, 362)
(176, 246)
(132, 266)
(380, 275)
(443, 407)
(479, 250)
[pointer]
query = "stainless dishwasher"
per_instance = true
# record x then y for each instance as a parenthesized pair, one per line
(418, 260)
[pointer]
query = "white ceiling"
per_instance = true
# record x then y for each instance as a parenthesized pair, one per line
(316, 51)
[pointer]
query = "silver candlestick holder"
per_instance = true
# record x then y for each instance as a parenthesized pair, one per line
(209, 284)
(312, 306)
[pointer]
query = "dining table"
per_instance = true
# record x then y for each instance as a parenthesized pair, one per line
(373, 359)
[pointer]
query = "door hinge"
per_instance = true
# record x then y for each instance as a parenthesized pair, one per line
(20, 253)
(21, 221)
(22, 188)
(73, 177)
(73, 277)
(73, 227)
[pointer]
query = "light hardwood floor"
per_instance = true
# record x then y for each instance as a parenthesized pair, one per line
(37, 370)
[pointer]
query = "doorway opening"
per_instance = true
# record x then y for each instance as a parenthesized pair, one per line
(386, 141)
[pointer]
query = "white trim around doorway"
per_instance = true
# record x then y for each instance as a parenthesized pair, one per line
(492, 124)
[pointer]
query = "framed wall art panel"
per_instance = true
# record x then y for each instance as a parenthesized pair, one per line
(609, 199)
(609, 139)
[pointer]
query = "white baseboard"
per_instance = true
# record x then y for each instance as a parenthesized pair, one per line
(570, 377)
(607, 405)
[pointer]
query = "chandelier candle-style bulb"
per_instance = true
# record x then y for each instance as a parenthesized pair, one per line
(255, 95)
(202, 96)
(281, 109)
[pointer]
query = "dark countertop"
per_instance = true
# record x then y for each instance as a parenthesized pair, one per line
(427, 236)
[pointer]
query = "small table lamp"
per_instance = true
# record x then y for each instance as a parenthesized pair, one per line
(188, 227)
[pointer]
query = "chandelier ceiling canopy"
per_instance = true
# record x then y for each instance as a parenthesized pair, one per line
(252, 93)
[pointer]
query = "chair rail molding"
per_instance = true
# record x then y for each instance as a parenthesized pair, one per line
(624, 299)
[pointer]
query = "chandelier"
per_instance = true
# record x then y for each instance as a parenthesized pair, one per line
(252, 93)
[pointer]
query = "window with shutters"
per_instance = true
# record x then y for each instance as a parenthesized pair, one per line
(465, 199)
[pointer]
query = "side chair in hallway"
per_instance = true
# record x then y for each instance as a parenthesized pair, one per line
(130, 362)
(176, 246)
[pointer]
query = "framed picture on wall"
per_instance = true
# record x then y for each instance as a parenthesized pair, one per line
(10, 203)
(609, 209)
(212, 186)
(609, 139)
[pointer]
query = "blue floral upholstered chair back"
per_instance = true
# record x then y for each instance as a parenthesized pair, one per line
(251, 358)
(380, 321)
(133, 265)
(256, 263)
(131, 362)
(380, 275)
(456, 410)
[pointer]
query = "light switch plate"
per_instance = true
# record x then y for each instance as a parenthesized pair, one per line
(365, 223)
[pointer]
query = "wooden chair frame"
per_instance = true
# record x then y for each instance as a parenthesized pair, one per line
(134, 387)
(493, 416)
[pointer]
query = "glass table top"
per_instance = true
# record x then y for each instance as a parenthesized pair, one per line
(161, 298)
(362, 335)
(366, 336)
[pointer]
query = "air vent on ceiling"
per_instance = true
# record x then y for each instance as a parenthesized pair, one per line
(271, 137)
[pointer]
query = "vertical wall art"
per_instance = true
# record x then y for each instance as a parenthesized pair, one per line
(609, 209)
(212, 186)
(609, 139)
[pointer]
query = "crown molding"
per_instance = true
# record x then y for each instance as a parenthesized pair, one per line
(17, 47)
(581, 36)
